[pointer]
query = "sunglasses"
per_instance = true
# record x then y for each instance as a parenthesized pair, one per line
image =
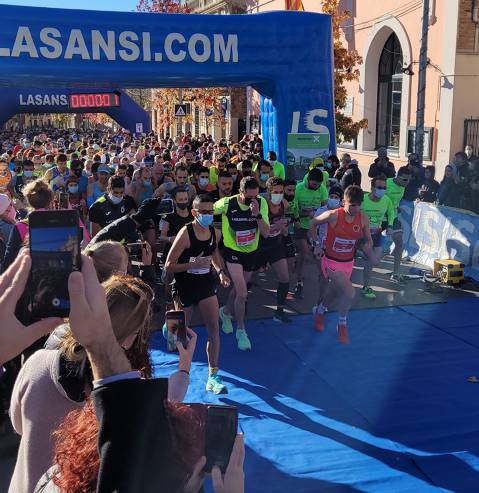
(380, 188)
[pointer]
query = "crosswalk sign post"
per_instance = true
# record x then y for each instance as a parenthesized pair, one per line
(182, 110)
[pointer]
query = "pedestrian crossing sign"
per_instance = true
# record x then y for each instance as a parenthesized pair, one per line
(181, 110)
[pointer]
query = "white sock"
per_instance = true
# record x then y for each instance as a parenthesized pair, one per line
(342, 320)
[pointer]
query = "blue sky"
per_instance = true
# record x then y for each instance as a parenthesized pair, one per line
(119, 5)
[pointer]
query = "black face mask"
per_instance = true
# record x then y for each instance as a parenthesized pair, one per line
(248, 200)
(77, 172)
(182, 206)
(246, 173)
(289, 197)
(312, 187)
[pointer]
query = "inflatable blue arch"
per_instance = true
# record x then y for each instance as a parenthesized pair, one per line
(286, 56)
(115, 103)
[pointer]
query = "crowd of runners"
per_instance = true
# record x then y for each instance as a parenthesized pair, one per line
(233, 213)
(167, 223)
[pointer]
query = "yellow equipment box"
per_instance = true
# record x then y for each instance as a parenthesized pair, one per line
(449, 271)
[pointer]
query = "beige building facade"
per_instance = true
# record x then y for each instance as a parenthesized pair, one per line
(387, 35)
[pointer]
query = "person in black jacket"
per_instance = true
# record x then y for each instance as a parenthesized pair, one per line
(343, 167)
(449, 191)
(417, 178)
(352, 176)
(430, 187)
(382, 165)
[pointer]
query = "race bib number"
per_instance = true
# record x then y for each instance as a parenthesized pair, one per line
(203, 270)
(245, 238)
(342, 245)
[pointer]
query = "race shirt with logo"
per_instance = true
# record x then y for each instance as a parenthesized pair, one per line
(395, 193)
(104, 211)
(376, 211)
(239, 228)
(308, 201)
(341, 240)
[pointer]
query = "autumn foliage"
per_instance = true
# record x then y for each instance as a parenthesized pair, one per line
(162, 7)
(345, 70)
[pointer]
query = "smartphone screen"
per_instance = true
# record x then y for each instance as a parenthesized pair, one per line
(221, 430)
(165, 206)
(55, 253)
(63, 200)
(176, 325)
(136, 249)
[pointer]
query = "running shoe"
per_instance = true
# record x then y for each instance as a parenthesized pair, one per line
(216, 385)
(318, 319)
(397, 278)
(343, 336)
(298, 292)
(281, 317)
(368, 293)
(243, 340)
(226, 321)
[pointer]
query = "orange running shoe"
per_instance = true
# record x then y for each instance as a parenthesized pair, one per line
(318, 319)
(343, 336)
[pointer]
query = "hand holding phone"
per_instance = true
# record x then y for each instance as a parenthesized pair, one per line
(233, 479)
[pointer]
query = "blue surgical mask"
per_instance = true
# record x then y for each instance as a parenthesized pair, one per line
(28, 173)
(379, 193)
(203, 182)
(333, 203)
(116, 200)
(204, 220)
(264, 177)
(73, 188)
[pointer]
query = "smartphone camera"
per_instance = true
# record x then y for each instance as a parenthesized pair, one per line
(165, 206)
(135, 250)
(176, 328)
(55, 253)
(221, 430)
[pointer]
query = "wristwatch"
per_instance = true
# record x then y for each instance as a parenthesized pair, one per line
(259, 216)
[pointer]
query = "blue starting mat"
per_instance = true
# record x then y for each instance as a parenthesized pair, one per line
(395, 411)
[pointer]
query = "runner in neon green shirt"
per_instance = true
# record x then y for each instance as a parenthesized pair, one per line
(309, 196)
(219, 165)
(395, 191)
(244, 218)
(376, 205)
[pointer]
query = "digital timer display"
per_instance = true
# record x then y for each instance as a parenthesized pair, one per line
(94, 100)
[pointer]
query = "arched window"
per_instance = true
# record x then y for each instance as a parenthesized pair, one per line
(388, 118)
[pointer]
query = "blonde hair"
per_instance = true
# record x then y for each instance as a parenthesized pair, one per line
(107, 257)
(38, 194)
(129, 302)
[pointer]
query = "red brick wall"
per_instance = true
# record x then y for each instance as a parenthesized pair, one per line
(467, 28)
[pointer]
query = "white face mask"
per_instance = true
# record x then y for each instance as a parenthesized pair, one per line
(114, 198)
(276, 198)
(203, 182)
